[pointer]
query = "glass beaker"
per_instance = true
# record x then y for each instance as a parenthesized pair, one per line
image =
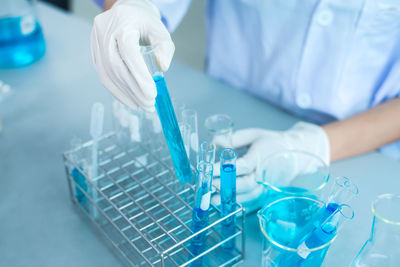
(292, 173)
(382, 247)
(21, 36)
(283, 223)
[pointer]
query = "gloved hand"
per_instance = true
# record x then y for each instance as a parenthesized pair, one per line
(115, 40)
(263, 143)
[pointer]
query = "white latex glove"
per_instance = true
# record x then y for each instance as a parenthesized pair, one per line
(263, 143)
(115, 40)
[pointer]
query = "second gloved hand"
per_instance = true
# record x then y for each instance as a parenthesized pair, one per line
(115, 43)
(263, 143)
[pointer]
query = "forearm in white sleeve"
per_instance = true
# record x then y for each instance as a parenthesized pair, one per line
(172, 11)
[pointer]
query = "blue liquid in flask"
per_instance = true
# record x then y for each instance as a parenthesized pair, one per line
(21, 41)
(171, 131)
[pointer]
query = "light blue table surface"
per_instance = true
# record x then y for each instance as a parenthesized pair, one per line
(39, 225)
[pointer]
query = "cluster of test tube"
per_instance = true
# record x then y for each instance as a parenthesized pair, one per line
(325, 225)
(203, 190)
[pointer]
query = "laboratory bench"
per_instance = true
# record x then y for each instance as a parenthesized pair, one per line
(50, 104)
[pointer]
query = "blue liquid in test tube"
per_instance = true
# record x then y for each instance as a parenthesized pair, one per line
(323, 234)
(168, 120)
(200, 216)
(228, 195)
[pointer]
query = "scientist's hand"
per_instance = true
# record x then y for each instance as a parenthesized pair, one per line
(115, 40)
(263, 143)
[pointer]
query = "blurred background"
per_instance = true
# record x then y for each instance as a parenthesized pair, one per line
(189, 38)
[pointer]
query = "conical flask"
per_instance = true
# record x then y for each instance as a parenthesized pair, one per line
(21, 36)
(383, 246)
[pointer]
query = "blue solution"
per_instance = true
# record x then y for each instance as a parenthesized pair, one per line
(200, 219)
(315, 236)
(228, 203)
(21, 41)
(171, 131)
(79, 179)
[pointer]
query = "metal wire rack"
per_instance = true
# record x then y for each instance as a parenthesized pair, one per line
(139, 205)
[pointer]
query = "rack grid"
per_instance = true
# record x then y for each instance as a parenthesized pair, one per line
(139, 205)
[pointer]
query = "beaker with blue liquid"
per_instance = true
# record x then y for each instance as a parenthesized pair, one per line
(21, 36)
(293, 173)
(285, 225)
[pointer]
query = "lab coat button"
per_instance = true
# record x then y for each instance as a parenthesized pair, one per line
(325, 17)
(303, 100)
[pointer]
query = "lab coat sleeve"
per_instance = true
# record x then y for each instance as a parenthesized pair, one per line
(100, 3)
(172, 11)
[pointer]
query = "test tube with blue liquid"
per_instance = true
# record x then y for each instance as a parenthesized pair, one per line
(168, 119)
(228, 194)
(200, 216)
(343, 190)
(321, 235)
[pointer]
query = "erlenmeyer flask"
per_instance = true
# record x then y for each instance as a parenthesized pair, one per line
(382, 248)
(21, 36)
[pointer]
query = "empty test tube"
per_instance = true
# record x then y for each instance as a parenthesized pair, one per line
(189, 117)
(202, 201)
(168, 119)
(228, 194)
(207, 152)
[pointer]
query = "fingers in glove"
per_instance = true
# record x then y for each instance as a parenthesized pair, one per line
(132, 72)
(244, 184)
(246, 137)
(159, 36)
(241, 198)
(119, 94)
(244, 165)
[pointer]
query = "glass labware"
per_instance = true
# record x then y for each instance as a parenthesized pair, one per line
(21, 36)
(292, 173)
(383, 246)
(282, 223)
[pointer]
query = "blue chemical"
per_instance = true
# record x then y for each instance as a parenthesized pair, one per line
(171, 131)
(79, 179)
(200, 219)
(292, 224)
(312, 236)
(21, 41)
(228, 203)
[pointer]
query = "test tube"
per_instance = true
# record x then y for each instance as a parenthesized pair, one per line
(321, 235)
(189, 117)
(228, 194)
(202, 199)
(207, 152)
(342, 191)
(168, 119)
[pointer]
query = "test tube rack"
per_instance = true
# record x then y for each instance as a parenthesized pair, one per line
(141, 208)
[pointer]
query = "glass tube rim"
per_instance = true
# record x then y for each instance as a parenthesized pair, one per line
(275, 243)
(234, 155)
(379, 216)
